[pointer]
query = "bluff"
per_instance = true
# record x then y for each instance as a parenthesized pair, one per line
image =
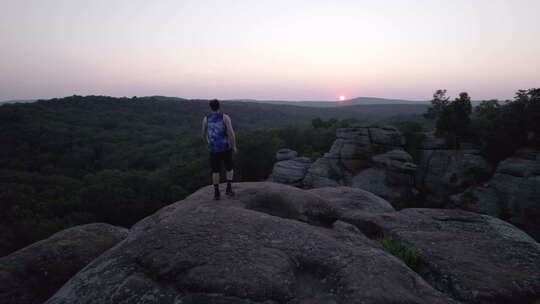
(512, 193)
(463, 179)
(274, 243)
(34, 273)
(368, 157)
(372, 158)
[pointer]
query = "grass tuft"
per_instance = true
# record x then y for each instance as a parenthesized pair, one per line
(408, 255)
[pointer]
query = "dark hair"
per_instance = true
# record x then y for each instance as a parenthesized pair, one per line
(214, 104)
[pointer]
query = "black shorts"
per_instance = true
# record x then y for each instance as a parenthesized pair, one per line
(216, 158)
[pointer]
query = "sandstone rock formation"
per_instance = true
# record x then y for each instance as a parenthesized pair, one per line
(474, 258)
(286, 154)
(443, 171)
(36, 272)
(371, 158)
(367, 157)
(513, 193)
(290, 171)
(463, 179)
(347, 200)
(274, 243)
(392, 176)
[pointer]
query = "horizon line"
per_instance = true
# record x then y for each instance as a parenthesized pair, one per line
(242, 99)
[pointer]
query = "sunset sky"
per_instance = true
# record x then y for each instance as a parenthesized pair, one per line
(288, 50)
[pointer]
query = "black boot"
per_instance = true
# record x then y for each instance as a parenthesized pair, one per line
(216, 192)
(229, 190)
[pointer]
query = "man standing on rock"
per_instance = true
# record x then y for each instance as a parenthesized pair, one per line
(218, 133)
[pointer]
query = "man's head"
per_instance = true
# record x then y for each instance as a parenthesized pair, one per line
(214, 105)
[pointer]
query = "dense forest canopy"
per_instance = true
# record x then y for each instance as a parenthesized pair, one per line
(79, 159)
(499, 127)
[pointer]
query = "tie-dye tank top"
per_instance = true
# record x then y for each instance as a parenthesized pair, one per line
(218, 140)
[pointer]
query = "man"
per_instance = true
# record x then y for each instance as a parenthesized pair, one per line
(218, 133)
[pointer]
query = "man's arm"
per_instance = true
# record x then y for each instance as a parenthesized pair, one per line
(204, 130)
(230, 131)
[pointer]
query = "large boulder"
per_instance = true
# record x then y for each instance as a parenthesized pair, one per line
(290, 171)
(286, 154)
(324, 172)
(391, 177)
(347, 200)
(258, 247)
(475, 258)
(513, 193)
(367, 157)
(356, 146)
(36, 272)
(374, 180)
(442, 173)
(387, 136)
(276, 199)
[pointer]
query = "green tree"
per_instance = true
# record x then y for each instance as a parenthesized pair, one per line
(504, 128)
(439, 102)
(412, 131)
(453, 119)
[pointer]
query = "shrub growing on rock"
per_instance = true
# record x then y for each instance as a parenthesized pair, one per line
(405, 253)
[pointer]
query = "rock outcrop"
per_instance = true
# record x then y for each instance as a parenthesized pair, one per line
(286, 154)
(463, 179)
(392, 177)
(513, 193)
(474, 258)
(373, 159)
(443, 172)
(36, 272)
(347, 200)
(366, 157)
(274, 243)
(289, 169)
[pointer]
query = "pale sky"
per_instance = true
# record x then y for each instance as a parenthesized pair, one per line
(289, 50)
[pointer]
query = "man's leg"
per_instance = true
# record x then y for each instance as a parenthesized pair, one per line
(215, 165)
(215, 178)
(229, 172)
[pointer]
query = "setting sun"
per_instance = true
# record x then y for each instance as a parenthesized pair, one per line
(342, 98)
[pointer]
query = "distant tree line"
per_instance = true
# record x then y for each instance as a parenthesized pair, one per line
(77, 160)
(499, 127)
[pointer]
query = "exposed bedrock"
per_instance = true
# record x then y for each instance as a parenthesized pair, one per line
(513, 193)
(36, 272)
(274, 243)
(366, 157)
(290, 171)
(286, 154)
(372, 158)
(443, 171)
(474, 258)
(463, 179)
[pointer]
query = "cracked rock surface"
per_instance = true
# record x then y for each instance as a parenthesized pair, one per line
(34, 273)
(367, 157)
(274, 243)
(513, 193)
(271, 243)
(474, 258)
